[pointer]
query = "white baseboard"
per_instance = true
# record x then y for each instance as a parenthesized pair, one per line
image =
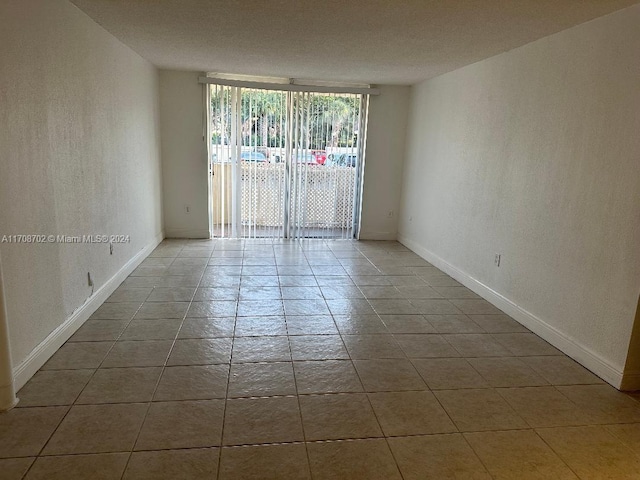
(186, 233)
(43, 352)
(583, 355)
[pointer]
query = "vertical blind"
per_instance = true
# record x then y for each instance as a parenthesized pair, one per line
(285, 164)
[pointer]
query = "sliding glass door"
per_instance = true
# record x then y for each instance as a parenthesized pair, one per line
(285, 164)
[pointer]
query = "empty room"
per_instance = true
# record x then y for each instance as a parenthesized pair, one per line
(319, 240)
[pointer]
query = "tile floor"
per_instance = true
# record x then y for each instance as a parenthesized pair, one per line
(315, 359)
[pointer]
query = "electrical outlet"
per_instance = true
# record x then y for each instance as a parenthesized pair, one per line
(497, 259)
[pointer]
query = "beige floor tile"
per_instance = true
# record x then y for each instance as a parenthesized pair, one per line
(257, 308)
(194, 382)
(261, 349)
(150, 260)
(399, 306)
(507, 372)
(207, 328)
(262, 420)
(121, 385)
(479, 410)
(24, 431)
(265, 462)
(78, 355)
(208, 351)
(186, 424)
(105, 466)
(471, 345)
(334, 281)
(370, 280)
(455, 292)
(318, 347)
(53, 387)
(151, 353)
(259, 326)
(97, 429)
(216, 293)
(477, 306)
(360, 324)
(99, 330)
(629, 434)
(301, 293)
(525, 344)
(338, 416)
(311, 325)
(400, 276)
(448, 373)
(350, 306)
(171, 294)
(603, 403)
(352, 459)
(217, 308)
(361, 270)
(498, 324)
(410, 413)
(261, 281)
(388, 375)
(425, 346)
(191, 464)
(561, 370)
(152, 329)
(219, 281)
(116, 311)
(150, 271)
(261, 379)
(373, 346)
(419, 292)
(373, 292)
(435, 306)
(518, 454)
(15, 468)
(437, 457)
(326, 376)
(592, 452)
(453, 324)
(436, 280)
(345, 291)
(162, 310)
(407, 324)
(123, 294)
(544, 407)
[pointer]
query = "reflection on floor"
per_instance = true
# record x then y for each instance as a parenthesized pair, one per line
(333, 359)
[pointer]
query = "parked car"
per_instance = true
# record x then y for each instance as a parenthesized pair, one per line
(342, 160)
(320, 156)
(305, 157)
(253, 157)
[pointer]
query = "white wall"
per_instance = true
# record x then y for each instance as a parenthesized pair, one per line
(79, 129)
(386, 140)
(184, 156)
(535, 154)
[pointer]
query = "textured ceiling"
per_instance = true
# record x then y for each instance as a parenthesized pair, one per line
(367, 41)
